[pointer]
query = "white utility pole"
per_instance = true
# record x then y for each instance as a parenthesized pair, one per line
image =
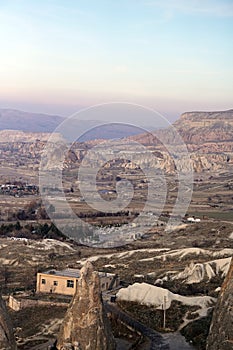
(164, 312)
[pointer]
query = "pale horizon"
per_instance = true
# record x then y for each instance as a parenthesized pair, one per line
(59, 57)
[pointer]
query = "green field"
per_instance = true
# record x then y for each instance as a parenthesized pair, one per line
(228, 215)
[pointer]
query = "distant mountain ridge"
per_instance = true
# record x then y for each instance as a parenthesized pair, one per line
(30, 122)
(12, 119)
(203, 131)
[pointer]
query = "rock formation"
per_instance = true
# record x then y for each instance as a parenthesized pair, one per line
(7, 340)
(85, 326)
(221, 330)
(207, 135)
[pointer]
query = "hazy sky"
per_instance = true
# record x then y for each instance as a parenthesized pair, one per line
(58, 55)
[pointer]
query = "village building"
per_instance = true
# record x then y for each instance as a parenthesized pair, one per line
(192, 219)
(65, 281)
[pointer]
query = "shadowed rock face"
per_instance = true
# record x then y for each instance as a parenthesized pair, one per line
(85, 325)
(7, 340)
(221, 330)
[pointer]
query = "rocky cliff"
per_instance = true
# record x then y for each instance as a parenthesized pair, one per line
(206, 126)
(7, 341)
(207, 135)
(221, 330)
(85, 325)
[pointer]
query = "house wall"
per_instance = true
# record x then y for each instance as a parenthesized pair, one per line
(49, 287)
(61, 287)
(19, 304)
(14, 304)
(105, 281)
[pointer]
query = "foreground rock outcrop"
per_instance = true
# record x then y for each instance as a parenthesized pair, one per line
(7, 340)
(86, 325)
(221, 330)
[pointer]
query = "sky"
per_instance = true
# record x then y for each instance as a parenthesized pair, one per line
(58, 56)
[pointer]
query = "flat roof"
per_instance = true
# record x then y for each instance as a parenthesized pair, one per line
(75, 273)
(72, 273)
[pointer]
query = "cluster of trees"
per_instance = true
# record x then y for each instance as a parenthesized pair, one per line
(33, 211)
(31, 231)
(104, 214)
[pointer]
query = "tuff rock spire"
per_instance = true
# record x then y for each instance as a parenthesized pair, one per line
(86, 326)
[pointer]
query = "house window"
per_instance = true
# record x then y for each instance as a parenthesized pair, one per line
(43, 281)
(70, 284)
(55, 283)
